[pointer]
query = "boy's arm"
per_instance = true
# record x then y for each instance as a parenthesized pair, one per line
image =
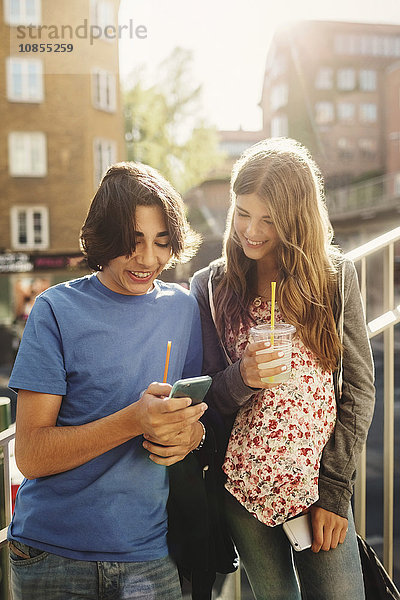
(42, 448)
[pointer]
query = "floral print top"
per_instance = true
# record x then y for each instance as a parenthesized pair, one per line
(273, 457)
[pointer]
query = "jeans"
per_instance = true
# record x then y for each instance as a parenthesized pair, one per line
(45, 576)
(271, 565)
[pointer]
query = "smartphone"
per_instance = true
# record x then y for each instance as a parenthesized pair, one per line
(195, 388)
(299, 532)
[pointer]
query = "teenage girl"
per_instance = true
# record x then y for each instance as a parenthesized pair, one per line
(293, 447)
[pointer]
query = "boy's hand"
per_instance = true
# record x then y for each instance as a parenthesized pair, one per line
(178, 447)
(162, 419)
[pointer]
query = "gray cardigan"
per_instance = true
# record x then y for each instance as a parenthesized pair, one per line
(355, 403)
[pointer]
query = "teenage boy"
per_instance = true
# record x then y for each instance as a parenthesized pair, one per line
(94, 434)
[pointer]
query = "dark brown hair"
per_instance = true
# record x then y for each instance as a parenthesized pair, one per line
(109, 228)
(283, 174)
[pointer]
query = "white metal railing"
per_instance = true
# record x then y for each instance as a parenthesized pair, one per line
(6, 437)
(385, 324)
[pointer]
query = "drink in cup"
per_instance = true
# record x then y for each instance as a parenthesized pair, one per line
(280, 337)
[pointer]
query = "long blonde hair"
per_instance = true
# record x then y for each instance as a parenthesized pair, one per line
(282, 172)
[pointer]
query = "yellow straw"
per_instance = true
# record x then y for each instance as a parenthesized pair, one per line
(273, 287)
(167, 362)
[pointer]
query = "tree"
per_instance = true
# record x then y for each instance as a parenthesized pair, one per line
(163, 126)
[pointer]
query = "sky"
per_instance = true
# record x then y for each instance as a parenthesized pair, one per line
(229, 40)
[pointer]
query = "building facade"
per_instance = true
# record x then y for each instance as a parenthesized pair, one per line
(62, 126)
(393, 125)
(325, 84)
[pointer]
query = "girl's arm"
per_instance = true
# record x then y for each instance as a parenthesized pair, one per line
(355, 407)
(233, 384)
(228, 391)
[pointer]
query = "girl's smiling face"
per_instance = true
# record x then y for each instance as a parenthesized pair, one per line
(254, 228)
(134, 274)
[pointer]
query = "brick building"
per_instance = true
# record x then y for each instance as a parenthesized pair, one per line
(325, 85)
(334, 86)
(233, 142)
(62, 126)
(393, 125)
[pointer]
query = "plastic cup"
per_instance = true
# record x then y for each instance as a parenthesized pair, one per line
(282, 335)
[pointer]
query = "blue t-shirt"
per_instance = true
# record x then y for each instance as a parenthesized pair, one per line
(99, 350)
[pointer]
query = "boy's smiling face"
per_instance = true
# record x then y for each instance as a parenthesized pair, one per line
(133, 275)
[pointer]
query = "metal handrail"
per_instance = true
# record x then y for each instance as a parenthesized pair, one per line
(6, 437)
(385, 324)
(374, 245)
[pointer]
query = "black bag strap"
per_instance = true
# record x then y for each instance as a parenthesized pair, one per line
(377, 582)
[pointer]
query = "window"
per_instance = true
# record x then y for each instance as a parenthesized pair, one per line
(279, 126)
(276, 65)
(367, 148)
(324, 112)
(279, 96)
(102, 15)
(346, 79)
(104, 90)
(105, 152)
(29, 227)
(368, 112)
(232, 148)
(394, 137)
(22, 12)
(367, 44)
(345, 148)
(346, 111)
(324, 78)
(27, 154)
(367, 80)
(397, 184)
(340, 44)
(24, 80)
(346, 43)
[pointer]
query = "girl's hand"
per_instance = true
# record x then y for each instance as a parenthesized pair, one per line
(251, 374)
(329, 529)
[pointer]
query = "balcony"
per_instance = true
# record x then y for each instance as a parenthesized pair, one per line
(377, 488)
(366, 199)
